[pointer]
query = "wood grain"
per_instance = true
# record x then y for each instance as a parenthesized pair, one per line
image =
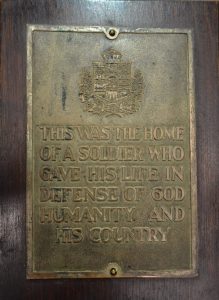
(202, 17)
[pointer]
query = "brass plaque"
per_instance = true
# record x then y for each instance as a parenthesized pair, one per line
(111, 163)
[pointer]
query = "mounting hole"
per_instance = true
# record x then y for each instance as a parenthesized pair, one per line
(113, 271)
(112, 33)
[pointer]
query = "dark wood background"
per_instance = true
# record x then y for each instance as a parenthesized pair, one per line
(203, 18)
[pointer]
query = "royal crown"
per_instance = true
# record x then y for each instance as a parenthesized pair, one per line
(111, 56)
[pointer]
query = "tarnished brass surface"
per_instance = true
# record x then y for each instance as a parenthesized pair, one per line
(111, 164)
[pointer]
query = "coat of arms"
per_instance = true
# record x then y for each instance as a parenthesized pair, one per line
(110, 86)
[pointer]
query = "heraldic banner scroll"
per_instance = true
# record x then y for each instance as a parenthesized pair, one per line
(111, 161)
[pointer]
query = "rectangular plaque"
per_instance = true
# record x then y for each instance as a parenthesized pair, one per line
(111, 163)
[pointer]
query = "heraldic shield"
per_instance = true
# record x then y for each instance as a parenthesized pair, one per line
(111, 87)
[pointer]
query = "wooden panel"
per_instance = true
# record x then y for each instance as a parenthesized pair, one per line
(200, 16)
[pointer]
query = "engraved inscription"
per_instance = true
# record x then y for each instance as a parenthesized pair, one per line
(135, 171)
